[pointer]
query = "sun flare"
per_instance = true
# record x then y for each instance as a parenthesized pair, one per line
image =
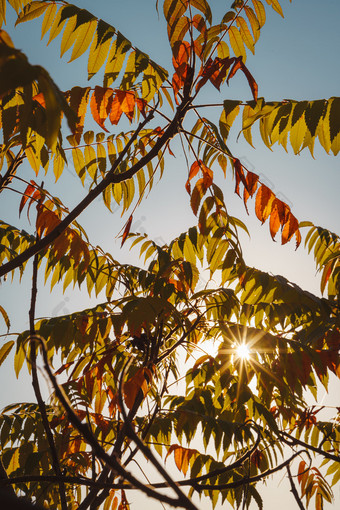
(243, 352)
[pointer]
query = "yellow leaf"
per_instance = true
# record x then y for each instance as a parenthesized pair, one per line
(254, 23)
(14, 463)
(48, 19)
(245, 33)
(56, 26)
(33, 159)
(31, 11)
(19, 358)
(276, 6)
(99, 48)
(3, 4)
(79, 163)
(90, 160)
(115, 60)
(237, 43)
(58, 165)
(69, 35)
(5, 350)
(297, 134)
(153, 78)
(260, 12)
(84, 37)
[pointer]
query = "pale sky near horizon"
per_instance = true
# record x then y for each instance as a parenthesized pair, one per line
(295, 58)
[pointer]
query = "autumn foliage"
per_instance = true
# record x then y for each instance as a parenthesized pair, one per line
(231, 423)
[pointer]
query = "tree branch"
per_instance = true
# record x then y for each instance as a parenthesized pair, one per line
(290, 440)
(293, 488)
(251, 479)
(110, 178)
(183, 500)
(36, 387)
(111, 461)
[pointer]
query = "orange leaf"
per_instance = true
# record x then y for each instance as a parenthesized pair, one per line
(116, 111)
(101, 101)
(46, 221)
(199, 22)
(278, 216)
(126, 230)
(182, 456)
(179, 78)
(141, 104)
(139, 381)
(194, 169)
(127, 101)
(263, 203)
(29, 191)
(290, 228)
(40, 98)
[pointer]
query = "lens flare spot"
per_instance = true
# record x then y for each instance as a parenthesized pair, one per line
(243, 352)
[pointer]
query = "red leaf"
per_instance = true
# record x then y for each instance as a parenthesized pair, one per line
(250, 187)
(207, 175)
(46, 221)
(126, 230)
(252, 83)
(207, 72)
(181, 53)
(239, 176)
(141, 104)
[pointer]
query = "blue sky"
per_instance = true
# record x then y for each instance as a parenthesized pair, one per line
(295, 58)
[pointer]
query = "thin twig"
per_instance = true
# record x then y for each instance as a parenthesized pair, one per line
(293, 488)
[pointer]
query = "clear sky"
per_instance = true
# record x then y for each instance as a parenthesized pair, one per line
(295, 58)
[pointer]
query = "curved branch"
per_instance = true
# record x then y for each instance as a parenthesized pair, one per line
(112, 461)
(291, 441)
(183, 500)
(110, 178)
(230, 467)
(251, 479)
